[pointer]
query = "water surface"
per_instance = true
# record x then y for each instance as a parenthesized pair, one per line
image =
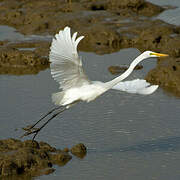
(128, 136)
(171, 16)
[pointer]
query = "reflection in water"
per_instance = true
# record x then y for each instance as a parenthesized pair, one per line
(162, 144)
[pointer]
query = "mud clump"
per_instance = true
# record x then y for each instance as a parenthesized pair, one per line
(15, 61)
(29, 157)
(121, 69)
(79, 150)
(167, 75)
(139, 7)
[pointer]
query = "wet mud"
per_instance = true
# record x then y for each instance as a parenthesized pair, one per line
(79, 150)
(31, 158)
(108, 26)
(18, 62)
(121, 69)
(166, 74)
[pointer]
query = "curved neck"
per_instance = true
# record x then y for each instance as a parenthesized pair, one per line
(113, 82)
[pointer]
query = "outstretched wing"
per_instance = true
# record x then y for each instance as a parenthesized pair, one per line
(137, 86)
(66, 66)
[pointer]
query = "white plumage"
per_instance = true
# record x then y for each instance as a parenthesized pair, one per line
(66, 69)
(136, 86)
(66, 66)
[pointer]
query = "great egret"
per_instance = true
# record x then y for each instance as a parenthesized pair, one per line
(66, 69)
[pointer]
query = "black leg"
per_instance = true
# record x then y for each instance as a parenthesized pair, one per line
(29, 128)
(36, 131)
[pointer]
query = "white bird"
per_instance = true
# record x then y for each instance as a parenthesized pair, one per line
(66, 69)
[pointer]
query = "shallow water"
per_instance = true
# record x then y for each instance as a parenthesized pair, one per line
(171, 16)
(10, 34)
(128, 136)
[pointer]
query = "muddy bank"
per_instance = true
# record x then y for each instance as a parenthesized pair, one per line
(167, 74)
(121, 69)
(24, 58)
(97, 20)
(19, 159)
(47, 17)
(108, 26)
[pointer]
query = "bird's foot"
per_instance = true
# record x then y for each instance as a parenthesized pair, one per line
(31, 131)
(29, 128)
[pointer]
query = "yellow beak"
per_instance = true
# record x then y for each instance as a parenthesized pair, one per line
(159, 55)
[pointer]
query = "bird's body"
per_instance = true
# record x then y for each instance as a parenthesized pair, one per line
(87, 92)
(66, 69)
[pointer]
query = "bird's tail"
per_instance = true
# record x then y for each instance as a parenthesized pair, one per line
(57, 98)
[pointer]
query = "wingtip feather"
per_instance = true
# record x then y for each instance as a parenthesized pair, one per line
(137, 86)
(148, 90)
(63, 43)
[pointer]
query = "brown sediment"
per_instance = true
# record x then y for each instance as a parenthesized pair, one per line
(97, 20)
(121, 69)
(107, 25)
(167, 75)
(79, 150)
(32, 17)
(30, 158)
(18, 62)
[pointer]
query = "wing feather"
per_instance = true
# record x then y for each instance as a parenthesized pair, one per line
(66, 66)
(136, 86)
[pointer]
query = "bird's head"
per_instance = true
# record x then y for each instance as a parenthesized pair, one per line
(149, 54)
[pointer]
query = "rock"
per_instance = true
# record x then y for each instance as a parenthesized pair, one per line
(79, 150)
(66, 149)
(29, 157)
(167, 75)
(121, 69)
(61, 158)
(14, 61)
